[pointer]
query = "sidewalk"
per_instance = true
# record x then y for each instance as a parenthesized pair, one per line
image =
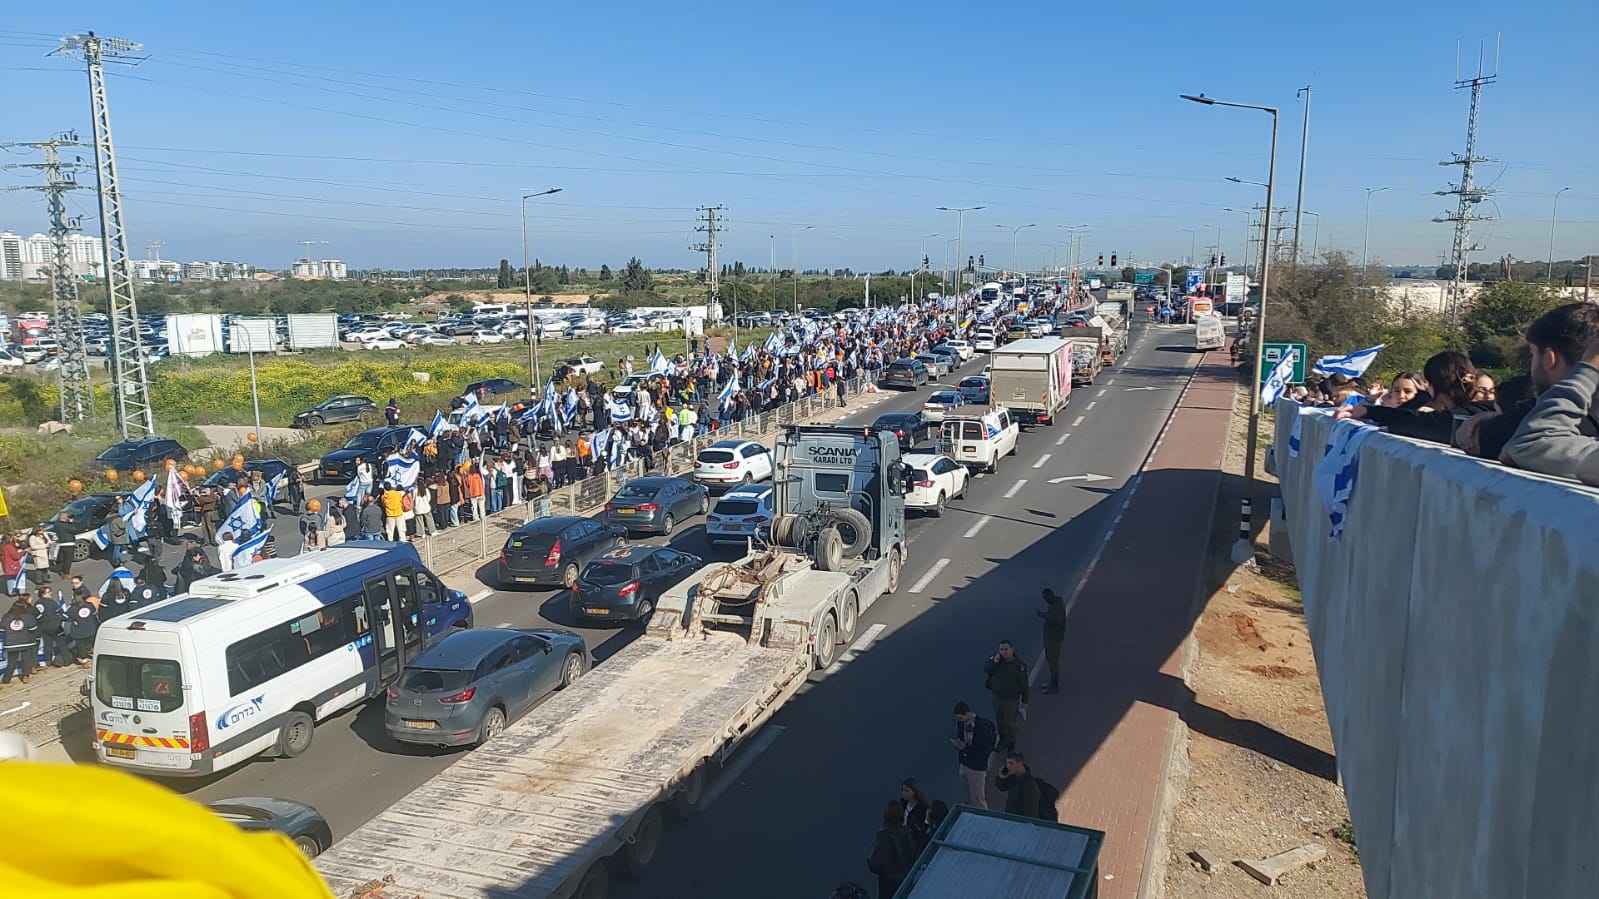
(1122, 690)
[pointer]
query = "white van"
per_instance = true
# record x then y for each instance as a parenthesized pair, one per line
(249, 660)
(985, 341)
(976, 436)
(1209, 334)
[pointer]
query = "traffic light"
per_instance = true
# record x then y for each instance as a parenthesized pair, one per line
(980, 263)
(1113, 260)
(970, 266)
(924, 262)
(1212, 260)
(1101, 260)
(1224, 260)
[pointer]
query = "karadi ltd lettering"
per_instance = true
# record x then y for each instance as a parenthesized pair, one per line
(834, 455)
(240, 713)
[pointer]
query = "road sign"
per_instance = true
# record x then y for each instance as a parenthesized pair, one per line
(1143, 277)
(1273, 354)
(1194, 278)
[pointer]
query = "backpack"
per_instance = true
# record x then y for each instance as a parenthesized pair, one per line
(1047, 795)
(407, 503)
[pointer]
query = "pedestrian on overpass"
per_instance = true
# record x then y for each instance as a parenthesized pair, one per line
(1007, 684)
(974, 741)
(1054, 615)
(392, 412)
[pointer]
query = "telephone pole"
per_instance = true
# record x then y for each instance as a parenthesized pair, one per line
(76, 395)
(130, 385)
(713, 270)
(1467, 191)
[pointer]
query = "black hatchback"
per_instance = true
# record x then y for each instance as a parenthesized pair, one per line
(907, 373)
(624, 584)
(549, 552)
(139, 452)
(910, 427)
(336, 409)
(494, 387)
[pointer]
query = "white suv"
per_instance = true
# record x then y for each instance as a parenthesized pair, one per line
(729, 462)
(741, 513)
(978, 436)
(939, 479)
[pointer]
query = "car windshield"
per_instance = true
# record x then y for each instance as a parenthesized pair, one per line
(82, 507)
(138, 685)
(637, 491)
(434, 680)
(608, 574)
(716, 455)
(974, 382)
(115, 453)
(737, 507)
(362, 441)
(891, 421)
(945, 398)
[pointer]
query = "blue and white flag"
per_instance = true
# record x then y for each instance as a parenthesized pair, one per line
(122, 576)
(439, 425)
(749, 353)
(1272, 390)
(767, 384)
(726, 396)
(1335, 475)
(468, 403)
(415, 438)
(598, 442)
(132, 511)
(402, 471)
(245, 554)
(659, 363)
(1294, 433)
(620, 411)
(732, 347)
(569, 405)
(243, 520)
(773, 342)
(1350, 365)
(353, 489)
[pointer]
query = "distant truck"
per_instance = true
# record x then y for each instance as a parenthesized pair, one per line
(1086, 362)
(578, 790)
(1209, 334)
(1033, 378)
(976, 852)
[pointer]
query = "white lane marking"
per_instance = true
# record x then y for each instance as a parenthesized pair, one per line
(1061, 440)
(1090, 478)
(1111, 381)
(921, 583)
(479, 596)
(1102, 392)
(504, 624)
(859, 646)
(1015, 488)
(16, 708)
(1091, 405)
(1041, 460)
(1078, 422)
(981, 523)
(746, 758)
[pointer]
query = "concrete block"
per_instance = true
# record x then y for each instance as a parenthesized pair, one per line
(1269, 870)
(1208, 859)
(421, 377)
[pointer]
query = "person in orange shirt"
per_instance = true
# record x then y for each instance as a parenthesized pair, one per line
(585, 457)
(475, 491)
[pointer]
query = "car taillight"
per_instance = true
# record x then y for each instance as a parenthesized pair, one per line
(628, 590)
(729, 464)
(759, 519)
(392, 692)
(610, 506)
(554, 558)
(199, 733)
(504, 559)
(899, 433)
(648, 507)
(924, 484)
(463, 696)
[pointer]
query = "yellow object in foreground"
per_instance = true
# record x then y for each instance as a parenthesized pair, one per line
(77, 832)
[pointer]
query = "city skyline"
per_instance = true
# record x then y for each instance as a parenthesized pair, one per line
(414, 161)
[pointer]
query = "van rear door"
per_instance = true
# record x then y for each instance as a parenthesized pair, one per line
(141, 702)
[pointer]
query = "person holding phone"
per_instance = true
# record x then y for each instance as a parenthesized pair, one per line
(1007, 684)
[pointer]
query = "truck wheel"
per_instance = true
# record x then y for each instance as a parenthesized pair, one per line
(595, 884)
(993, 464)
(636, 857)
(893, 570)
(855, 530)
(686, 801)
(826, 644)
(784, 530)
(294, 735)
(849, 617)
(829, 550)
(1013, 448)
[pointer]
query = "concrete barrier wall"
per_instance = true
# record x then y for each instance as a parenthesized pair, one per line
(1456, 627)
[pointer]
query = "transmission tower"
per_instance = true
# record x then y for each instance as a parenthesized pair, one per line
(1467, 191)
(130, 386)
(59, 177)
(713, 272)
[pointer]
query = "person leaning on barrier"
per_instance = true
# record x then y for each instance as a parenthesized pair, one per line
(1559, 436)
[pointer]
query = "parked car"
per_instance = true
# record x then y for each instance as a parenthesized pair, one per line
(625, 583)
(494, 387)
(84, 516)
(585, 365)
(373, 444)
(910, 427)
(485, 336)
(469, 685)
(741, 513)
(937, 366)
(656, 504)
(975, 389)
(728, 462)
(905, 373)
(433, 338)
(937, 480)
(941, 401)
(337, 408)
(139, 452)
(962, 347)
(950, 355)
(551, 551)
(301, 823)
(383, 343)
(10, 362)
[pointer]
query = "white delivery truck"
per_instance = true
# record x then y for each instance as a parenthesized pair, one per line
(578, 789)
(1209, 333)
(1033, 378)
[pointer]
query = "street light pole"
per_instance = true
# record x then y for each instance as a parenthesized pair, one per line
(794, 248)
(1365, 242)
(527, 293)
(1193, 237)
(1554, 214)
(1244, 549)
(960, 235)
(1299, 201)
(255, 395)
(1315, 240)
(1015, 233)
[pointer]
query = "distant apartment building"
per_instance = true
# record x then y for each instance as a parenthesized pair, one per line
(30, 258)
(319, 270)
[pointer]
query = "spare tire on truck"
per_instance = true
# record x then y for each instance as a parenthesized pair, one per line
(829, 549)
(786, 530)
(854, 530)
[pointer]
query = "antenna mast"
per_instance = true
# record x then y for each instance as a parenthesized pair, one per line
(1467, 191)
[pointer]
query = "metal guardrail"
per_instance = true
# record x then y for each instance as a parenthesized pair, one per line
(473, 542)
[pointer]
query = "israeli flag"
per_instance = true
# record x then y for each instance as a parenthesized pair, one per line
(245, 554)
(728, 389)
(659, 363)
(619, 411)
(1295, 435)
(773, 342)
(569, 404)
(1335, 475)
(403, 471)
(468, 403)
(1350, 365)
(732, 347)
(352, 489)
(439, 425)
(136, 507)
(415, 438)
(1277, 383)
(767, 384)
(244, 519)
(749, 353)
(598, 442)
(122, 576)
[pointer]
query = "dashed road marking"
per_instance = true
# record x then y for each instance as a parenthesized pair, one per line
(924, 580)
(1091, 405)
(859, 646)
(1015, 488)
(981, 523)
(1079, 421)
(1041, 460)
(479, 596)
(1061, 440)
(1110, 382)
(1102, 391)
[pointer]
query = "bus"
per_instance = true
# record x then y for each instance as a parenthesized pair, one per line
(248, 661)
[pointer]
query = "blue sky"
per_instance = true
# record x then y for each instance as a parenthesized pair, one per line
(404, 133)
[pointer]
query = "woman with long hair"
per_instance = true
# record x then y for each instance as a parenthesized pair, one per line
(1453, 379)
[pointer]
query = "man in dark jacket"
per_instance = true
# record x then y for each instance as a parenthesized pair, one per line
(974, 741)
(51, 616)
(81, 626)
(19, 636)
(370, 519)
(1020, 787)
(1007, 683)
(66, 538)
(1054, 615)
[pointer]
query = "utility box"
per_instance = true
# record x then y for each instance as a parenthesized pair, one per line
(194, 335)
(317, 331)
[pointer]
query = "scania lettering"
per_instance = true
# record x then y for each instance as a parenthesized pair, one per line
(249, 661)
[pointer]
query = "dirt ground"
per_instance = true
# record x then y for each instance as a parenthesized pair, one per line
(1253, 771)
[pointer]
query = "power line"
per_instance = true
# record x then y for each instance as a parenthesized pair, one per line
(1467, 191)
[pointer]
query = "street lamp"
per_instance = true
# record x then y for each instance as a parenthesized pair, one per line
(1249, 222)
(1244, 550)
(255, 396)
(1193, 237)
(1553, 215)
(1074, 242)
(1315, 240)
(960, 234)
(1014, 234)
(1365, 242)
(527, 288)
(794, 249)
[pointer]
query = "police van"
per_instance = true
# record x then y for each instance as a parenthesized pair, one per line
(248, 661)
(976, 436)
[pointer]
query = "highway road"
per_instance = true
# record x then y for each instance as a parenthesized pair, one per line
(815, 781)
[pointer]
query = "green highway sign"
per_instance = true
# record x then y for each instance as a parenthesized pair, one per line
(1273, 354)
(1144, 278)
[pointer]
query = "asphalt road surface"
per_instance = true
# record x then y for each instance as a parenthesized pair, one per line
(812, 786)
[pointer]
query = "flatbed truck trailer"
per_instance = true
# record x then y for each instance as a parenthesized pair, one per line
(578, 791)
